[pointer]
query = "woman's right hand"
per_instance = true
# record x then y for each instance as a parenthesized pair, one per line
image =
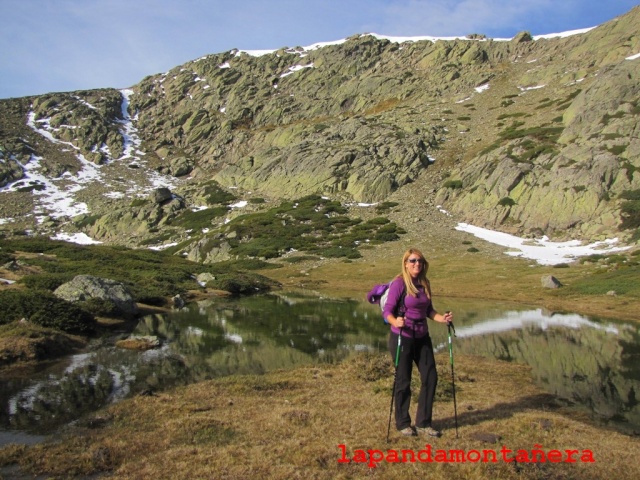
(399, 323)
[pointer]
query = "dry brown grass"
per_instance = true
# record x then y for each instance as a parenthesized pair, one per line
(457, 273)
(289, 424)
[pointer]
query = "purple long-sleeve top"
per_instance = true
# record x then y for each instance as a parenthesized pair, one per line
(417, 309)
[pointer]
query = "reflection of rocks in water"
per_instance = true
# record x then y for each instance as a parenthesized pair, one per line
(55, 402)
(156, 324)
(582, 365)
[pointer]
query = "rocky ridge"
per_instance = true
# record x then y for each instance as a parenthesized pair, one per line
(529, 136)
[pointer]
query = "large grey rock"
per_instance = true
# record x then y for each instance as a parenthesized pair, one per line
(549, 281)
(86, 287)
(160, 195)
(204, 278)
(10, 171)
(208, 250)
(180, 167)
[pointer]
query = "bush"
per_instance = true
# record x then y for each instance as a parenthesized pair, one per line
(310, 224)
(201, 218)
(262, 248)
(300, 258)
(630, 195)
(507, 202)
(214, 194)
(100, 307)
(5, 257)
(46, 310)
(377, 221)
(453, 184)
(630, 210)
(45, 281)
(385, 206)
(151, 276)
(385, 237)
(240, 284)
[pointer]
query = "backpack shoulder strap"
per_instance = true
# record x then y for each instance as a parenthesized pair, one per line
(401, 307)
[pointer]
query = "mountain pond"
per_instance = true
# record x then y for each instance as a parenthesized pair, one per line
(589, 362)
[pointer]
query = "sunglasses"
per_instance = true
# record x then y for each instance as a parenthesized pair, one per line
(414, 260)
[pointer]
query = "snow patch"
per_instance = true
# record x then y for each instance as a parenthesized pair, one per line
(542, 250)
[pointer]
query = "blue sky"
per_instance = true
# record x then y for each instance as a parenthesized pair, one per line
(65, 45)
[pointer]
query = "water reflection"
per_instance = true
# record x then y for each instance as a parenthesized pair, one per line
(590, 362)
(584, 360)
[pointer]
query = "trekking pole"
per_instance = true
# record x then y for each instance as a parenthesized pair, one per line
(450, 327)
(395, 377)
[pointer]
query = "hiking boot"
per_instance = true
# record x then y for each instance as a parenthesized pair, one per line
(408, 432)
(427, 431)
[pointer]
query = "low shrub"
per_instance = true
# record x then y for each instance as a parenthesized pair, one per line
(100, 307)
(215, 195)
(310, 224)
(46, 310)
(200, 219)
(151, 276)
(300, 258)
(240, 284)
(507, 202)
(45, 281)
(5, 257)
(453, 184)
(630, 210)
(385, 206)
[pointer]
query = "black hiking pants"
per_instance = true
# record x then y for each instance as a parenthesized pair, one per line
(418, 351)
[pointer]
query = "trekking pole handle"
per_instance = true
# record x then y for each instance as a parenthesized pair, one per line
(450, 326)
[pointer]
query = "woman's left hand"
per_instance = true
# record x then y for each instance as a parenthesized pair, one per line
(447, 317)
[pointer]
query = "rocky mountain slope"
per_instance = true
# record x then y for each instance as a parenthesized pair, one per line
(529, 136)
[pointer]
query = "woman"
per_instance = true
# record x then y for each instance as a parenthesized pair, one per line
(407, 308)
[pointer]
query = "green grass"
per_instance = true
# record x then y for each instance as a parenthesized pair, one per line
(622, 280)
(151, 276)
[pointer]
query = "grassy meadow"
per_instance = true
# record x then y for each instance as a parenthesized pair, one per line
(330, 421)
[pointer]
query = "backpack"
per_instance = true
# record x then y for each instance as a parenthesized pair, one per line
(380, 293)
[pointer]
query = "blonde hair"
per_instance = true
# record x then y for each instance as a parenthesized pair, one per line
(422, 276)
